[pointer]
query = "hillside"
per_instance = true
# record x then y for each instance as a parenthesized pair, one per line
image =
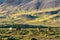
(32, 12)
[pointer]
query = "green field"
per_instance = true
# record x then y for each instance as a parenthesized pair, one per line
(29, 34)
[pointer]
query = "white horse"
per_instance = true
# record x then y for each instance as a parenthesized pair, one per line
(10, 28)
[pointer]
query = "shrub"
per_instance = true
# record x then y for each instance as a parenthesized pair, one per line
(0, 37)
(12, 38)
(33, 39)
(35, 32)
(24, 32)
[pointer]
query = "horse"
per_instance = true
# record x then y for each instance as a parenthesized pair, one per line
(18, 28)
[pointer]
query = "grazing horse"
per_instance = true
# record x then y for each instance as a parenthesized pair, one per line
(38, 29)
(10, 28)
(49, 29)
(18, 28)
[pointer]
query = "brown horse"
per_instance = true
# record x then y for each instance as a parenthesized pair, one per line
(49, 29)
(18, 28)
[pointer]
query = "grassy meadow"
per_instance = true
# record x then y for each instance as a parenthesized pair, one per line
(45, 17)
(30, 34)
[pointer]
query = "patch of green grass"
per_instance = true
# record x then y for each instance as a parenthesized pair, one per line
(29, 33)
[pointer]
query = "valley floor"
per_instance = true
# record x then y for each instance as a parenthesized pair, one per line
(30, 34)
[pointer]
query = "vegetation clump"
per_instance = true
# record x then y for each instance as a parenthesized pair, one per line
(11, 38)
(33, 39)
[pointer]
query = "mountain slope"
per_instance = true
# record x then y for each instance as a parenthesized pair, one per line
(33, 12)
(30, 4)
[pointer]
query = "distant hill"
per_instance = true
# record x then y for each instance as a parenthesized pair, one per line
(33, 12)
(30, 4)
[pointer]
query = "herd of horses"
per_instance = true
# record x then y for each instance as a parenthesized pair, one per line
(38, 29)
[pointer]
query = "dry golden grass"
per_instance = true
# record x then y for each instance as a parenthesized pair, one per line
(12, 18)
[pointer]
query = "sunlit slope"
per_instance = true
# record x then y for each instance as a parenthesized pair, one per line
(34, 17)
(35, 11)
(39, 20)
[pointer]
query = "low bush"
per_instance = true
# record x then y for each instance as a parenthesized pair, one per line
(24, 32)
(11, 38)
